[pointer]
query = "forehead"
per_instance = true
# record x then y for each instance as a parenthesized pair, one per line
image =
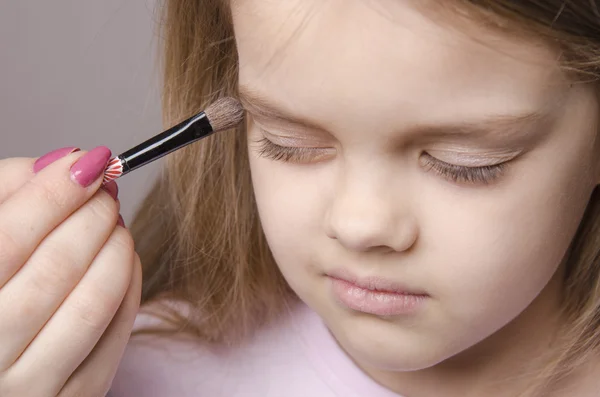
(384, 57)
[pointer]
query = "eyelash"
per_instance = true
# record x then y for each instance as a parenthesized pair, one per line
(461, 174)
(272, 151)
(451, 172)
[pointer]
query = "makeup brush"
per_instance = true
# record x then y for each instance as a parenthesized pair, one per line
(223, 114)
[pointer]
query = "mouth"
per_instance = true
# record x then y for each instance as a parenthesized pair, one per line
(375, 295)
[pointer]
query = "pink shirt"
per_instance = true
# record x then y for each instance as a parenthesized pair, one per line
(297, 358)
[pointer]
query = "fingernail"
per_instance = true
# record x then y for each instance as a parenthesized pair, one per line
(51, 157)
(121, 222)
(113, 189)
(90, 166)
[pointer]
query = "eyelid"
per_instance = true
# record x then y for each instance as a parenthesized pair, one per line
(470, 175)
(292, 135)
(293, 154)
(297, 140)
(474, 159)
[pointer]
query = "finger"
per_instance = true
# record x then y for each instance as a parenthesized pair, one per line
(51, 273)
(14, 173)
(99, 368)
(71, 334)
(51, 157)
(46, 200)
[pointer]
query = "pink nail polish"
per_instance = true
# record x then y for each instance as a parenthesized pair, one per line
(51, 157)
(112, 188)
(121, 222)
(90, 166)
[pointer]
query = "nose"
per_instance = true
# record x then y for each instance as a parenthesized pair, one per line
(365, 216)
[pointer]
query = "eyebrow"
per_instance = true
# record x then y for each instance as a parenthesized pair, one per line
(259, 105)
(501, 125)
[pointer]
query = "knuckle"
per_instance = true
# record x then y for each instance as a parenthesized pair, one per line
(122, 240)
(10, 251)
(14, 173)
(16, 164)
(104, 207)
(52, 192)
(93, 313)
(55, 270)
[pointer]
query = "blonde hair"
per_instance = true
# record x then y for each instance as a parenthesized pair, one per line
(198, 232)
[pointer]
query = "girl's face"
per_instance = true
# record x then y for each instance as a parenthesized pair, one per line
(396, 151)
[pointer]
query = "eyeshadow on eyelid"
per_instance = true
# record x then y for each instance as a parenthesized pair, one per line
(293, 137)
(476, 158)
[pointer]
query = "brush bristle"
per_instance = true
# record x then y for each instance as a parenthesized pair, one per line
(224, 113)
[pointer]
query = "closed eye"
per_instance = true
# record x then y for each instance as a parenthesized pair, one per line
(461, 174)
(302, 155)
(451, 172)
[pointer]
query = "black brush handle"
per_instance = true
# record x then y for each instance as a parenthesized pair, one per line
(184, 133)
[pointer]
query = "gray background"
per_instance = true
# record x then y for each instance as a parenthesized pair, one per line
(80, 73)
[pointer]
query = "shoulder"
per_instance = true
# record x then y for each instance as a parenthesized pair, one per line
(157, 366)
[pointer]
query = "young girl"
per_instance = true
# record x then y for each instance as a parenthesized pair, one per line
(411, 209)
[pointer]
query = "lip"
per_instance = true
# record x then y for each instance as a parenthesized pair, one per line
(376, 283)
(375, 295)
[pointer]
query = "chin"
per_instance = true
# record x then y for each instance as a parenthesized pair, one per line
(391, 358)
(387, 346)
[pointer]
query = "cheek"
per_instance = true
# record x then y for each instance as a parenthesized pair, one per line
(290, 202)
(492, 253)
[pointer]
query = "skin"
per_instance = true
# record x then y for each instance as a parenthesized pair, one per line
(373, 88)
(70, 282)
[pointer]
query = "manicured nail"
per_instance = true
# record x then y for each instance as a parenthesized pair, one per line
(112, 188)
(90, 166)
(121, 222)
(51, 157)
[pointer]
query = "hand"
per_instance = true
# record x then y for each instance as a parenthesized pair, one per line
(70, 280)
